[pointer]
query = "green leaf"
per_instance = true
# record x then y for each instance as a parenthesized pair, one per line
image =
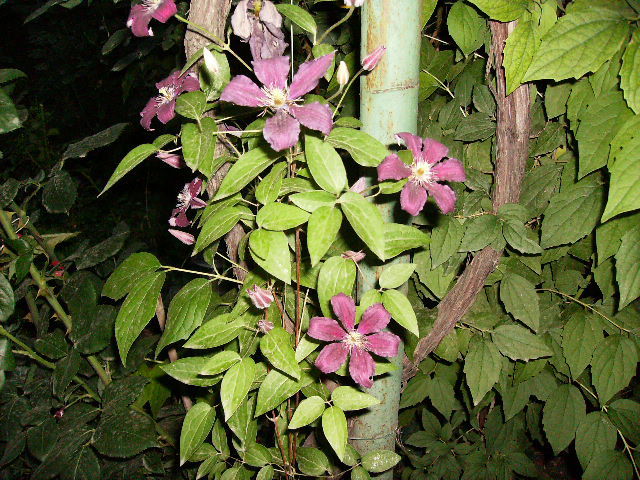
(613, 366)
(466, 27)
(191, 105)
(134, 158)
(349, 398)
(628, 267)
(337, 275)
(9, 117)
(325, 165)
(266, 473)
(269, 188)
(276, 388)
(187, 370)
(580, 336)
(324, 225)
(214, 72)
(625, 414)
(518, 343)
(630, 73)
(312, 461)
(220, 362)
(256, 455)
(64, 372)
(307, 412)
(520, 238)
(186, 312)
(8, 191)
(445, 240)
(128, 274)
(311, 201)
(502, 10)
(7, 299)
(538, 186)
(136, 311)
(380, 461)
(216, 226)
(215, 332)
(519, 49)
(199, 144)
(477, 126)
(572, 213)
(59, 193)
(235, 386)
(105, 249)
(399, 238)
(363, 148)
(394, 276)
(299, 16)
(482, 367)
(246, 168)
(280, 216)
(270, 250)
(195, 428)
(595, 434)
(122, 433)
(276, 346)
(105, 137)
(563, 412)
(479, 232)
(362, 214)
(7, 360)
(609, 464)
(520, 299)
(359, 473)
(334, 427)
(579, 42)
(401, 310)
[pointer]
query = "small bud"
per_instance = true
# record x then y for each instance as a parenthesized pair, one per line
(260, 297)
(210, 62)
(171, 159)
(265, 326)
(371, 61)
(355, 256)
(354, 3)
(342, 75)
(184, 237)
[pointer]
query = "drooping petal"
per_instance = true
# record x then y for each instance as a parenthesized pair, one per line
(147, 114)
(273, 44)
(362, 367)
(179, 219)
(240, 21)
(412, 198)
(384, 344)
(171, 159)
(138, 21)
(272, 72)
(315, 116)
(433, 150)
(197, 203)
(190, 83)
(195, 186)
(327, 329)
(167, 111)
(309, 74)
(332, 357)
(345, 309)
(374, 319)
(242, 91)
(413, 143)
(444, 196)
(269, 14)
(165, 11)
(184, 237)
(281, 131)
(450, 170)
(392, 168)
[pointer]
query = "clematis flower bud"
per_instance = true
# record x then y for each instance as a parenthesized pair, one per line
(260, 297)
(354, 3)
(184, 237)
(265, 326)
(355, 256)
(371, 61)
(171, 159)
(342, 75)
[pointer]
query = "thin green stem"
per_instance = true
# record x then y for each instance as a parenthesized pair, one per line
(335, 25)
(215, 276)
(444, 87)
(344, 93)
(34, 231)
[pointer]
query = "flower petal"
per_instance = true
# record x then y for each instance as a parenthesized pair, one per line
(197, 203)
(384, 344)
(242, 91)
(269, 14)
(345, 309)
(281, 131)
(444, 196)
(412, 198)
(315, 116)
(433, 150)
(332, 357)
(362, 367)
(165, 11)
(309, 74)
(138, 21)
(413, 143)
(179, 218)
(190, 83)
(327, 329)
(450, 170)
(374, 319)
(272, 72)
(392, 168)
(240, 20)
(194, 186)
(184, 237)
(172, 80)
(167, 111)
(147, 114)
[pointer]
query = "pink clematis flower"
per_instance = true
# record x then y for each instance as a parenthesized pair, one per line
(141, 15)
(283, 129)
(260, 297)
(354, 3)
(163, 105)
(184, 237)
(354, 342)
(187, 198)
(259, 23)
(171, 159)
(424, 174)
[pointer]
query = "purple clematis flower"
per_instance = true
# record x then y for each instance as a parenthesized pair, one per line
(259, 23)
(171, 159)
(424, 174)
(283, 129)
(354, 342)
(184, 237)
(141, 15)
(163, 105)
(187, 198)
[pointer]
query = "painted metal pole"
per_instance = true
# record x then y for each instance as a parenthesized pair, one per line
(388, 105)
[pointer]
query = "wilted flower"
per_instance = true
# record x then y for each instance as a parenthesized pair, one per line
(260, 297)
(184, 237)
(354, 3)
(265, 326)
(354, 342)
(342, 75)
(259, 23)
(163, 105)
(187, 198)
(171, 159)
(58, 414)
(141, 15)
(371, 61)
(283, 129)
(355, 256)
(424, 174)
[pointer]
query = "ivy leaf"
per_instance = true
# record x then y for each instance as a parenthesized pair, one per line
(595, 434)
(518, 343)
(380, 461)
(520, 299)
(563, 412)
(307, 412)
(246, 168)
(482, 367)
(276, 346)
(322, 230)
(363, 148)
(195, 428)
(580, 336)
(134, 158)
(337, 275)
(628, 267)
(334, 427)
(280, 216)
(325, 165)
(502, 10)
(401, 310)
(349, 398)
(236, 385)
(466, 27)
(362, 214)
(630, 73)
(613, 366)
(519, 49)
(394, 276)
(270, 250)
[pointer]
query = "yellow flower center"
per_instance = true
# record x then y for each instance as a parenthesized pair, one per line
(355, 339)
(276, 97)
(257, 6)
(421, 172)
(167, 94)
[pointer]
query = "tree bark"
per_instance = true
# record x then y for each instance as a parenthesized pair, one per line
(512, 138)
(209, 14)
